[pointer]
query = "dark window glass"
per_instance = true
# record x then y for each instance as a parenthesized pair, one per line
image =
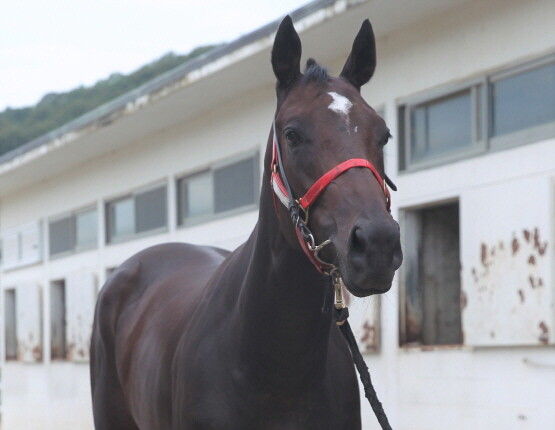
(58, 346)
(401, 112)
(62, 235)
(150, 210)
(234, 185)
(524, 100)
(442, 126)
(10, 324)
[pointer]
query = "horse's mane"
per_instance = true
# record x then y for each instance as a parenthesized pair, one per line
(313, 72)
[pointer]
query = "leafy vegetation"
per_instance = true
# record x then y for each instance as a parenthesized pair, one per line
(19, 126)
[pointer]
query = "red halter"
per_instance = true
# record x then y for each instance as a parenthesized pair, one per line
(282, 190)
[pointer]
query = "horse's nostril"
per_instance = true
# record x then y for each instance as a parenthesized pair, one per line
(374, 241)
(358, 241)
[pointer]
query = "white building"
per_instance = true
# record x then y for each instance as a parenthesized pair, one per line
(465, 338)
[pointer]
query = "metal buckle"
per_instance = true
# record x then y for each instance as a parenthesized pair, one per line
(338, 285)
(315, 249)
(303, 210)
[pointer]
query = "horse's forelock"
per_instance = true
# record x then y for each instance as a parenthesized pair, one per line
(313, 72)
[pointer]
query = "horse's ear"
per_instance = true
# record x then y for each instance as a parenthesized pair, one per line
(361, 63)
(286, 54)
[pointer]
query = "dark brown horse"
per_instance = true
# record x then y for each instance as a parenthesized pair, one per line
(191, 337)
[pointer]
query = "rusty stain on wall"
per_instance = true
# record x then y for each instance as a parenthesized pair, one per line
(368, 337)
(29, 323)
(541, 247)
(484, 255)
(464, 299)
(544, 336)
(507, 294)
(37, 353)
(515, 245)
(29, 349)
(80, 301)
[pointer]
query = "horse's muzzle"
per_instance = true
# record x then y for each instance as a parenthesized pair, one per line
(374, 254)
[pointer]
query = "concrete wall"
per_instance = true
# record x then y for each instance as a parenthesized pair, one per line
(488, 382)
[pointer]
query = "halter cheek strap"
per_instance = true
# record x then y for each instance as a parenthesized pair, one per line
(283, 192)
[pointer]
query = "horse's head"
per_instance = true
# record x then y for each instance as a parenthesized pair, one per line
(321, 122)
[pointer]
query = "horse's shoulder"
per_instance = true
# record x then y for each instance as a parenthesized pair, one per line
(151, 265)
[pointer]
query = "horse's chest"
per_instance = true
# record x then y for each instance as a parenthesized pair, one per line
(259, 420)
(247, 409)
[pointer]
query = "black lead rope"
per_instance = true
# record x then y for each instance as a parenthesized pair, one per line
(340, 316)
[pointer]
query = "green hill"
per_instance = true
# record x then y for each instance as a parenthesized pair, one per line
(19, 126)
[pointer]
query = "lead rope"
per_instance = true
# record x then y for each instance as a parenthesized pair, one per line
(340, 315)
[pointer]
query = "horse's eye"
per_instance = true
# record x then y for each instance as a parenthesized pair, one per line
(386, 139)
(292, 137)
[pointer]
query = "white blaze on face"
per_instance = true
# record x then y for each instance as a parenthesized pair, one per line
(340, 104)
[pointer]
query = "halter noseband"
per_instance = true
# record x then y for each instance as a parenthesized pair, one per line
(283, 191)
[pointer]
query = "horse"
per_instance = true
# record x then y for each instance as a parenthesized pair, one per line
(195, 337)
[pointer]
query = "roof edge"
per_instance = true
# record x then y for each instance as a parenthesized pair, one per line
(172, 76)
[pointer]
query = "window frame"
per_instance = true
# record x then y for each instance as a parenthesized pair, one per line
(183, 221)
(482, 118)
(76, 248)
(108, 218)
(478, 142)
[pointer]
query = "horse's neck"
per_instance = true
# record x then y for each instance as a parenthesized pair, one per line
(285, 331)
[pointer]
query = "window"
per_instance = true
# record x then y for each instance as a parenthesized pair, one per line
(436, 129)
(10, 324)
(523, 100)
(441, 126)
(21, 245)
(58, 344)
(431, 287)
(74, 232)
(142, 212)
(223, 189)
(513, 107)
